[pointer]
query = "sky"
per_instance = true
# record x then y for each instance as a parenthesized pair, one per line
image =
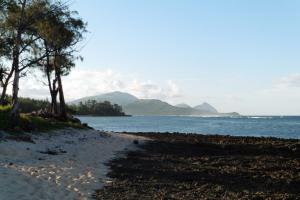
(241, 56)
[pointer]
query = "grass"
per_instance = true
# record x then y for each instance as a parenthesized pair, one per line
(32, 123)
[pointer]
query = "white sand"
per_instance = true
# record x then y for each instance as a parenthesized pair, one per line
(28, 174)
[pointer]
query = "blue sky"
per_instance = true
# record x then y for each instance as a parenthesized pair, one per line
(237, 55)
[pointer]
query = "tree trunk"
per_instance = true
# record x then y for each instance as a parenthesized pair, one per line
(3, 95)
(15, 65)
(15, 90)
(53, 93)
(15, 94)
(52, 86)
(5, 85)
(62, 103)
(54, 107)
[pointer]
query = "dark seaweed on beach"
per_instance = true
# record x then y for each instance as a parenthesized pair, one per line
(179, 166)
(53, 152)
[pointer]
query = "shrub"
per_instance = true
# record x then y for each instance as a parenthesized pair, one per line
(4, 116)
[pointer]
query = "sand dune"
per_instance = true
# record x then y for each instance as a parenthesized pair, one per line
(66, 164)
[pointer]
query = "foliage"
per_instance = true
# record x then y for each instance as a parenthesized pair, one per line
(29, 123)
(28, 105)
(4, 116)
(41, 34)
(43, 124)
(60, 31)
(92, 107)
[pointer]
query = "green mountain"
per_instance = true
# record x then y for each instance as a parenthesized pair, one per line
(156, 107)
(119, 98)
(133, 106)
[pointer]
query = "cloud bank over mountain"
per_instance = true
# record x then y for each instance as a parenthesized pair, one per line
(81, 83)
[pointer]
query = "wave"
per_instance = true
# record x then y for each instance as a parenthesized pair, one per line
(260, 117)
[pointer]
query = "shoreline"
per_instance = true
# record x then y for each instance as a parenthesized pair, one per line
(153, 134)
(181, 166)
(103, 115)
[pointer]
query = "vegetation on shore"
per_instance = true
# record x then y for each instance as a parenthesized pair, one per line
(35, 116)
(28, 105)
(33, 122)
(92, 107)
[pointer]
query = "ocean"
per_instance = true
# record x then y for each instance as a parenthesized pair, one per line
(266, 126)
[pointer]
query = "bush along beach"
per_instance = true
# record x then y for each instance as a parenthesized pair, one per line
(94, 108)
(35, 121)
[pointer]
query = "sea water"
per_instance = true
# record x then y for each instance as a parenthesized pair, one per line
(267, 126)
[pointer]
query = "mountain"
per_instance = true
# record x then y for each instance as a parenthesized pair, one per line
(155, 107)
(120, 98)
(205, 107)
(133, 106)
(183, 105)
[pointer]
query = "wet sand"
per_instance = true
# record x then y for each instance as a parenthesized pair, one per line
(179, 166)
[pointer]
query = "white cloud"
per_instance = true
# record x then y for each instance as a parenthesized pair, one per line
(33, 86)
(281, 98)
(81, 83)
(148, 89)
(291, 81)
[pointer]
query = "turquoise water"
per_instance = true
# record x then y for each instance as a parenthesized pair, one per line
(282, 127)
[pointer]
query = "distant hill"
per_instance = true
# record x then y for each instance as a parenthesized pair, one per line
(183, 105)
(119, 98)
(205, 107)
(155, 107)
(133, 106)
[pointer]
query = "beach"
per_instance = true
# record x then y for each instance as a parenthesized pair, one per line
(81, 164)
(62, 164)
(180, 166)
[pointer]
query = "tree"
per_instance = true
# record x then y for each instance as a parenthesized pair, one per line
(22, 26)
(72, 32)
(92, 107)
(41, 33)
(5, 72)
(20, 17)
(61, 31)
